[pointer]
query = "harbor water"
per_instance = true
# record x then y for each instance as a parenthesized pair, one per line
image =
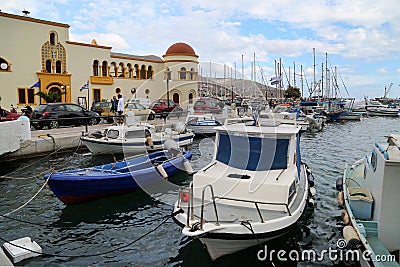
(129, 229)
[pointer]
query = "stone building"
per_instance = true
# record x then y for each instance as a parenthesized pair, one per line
(37, 55)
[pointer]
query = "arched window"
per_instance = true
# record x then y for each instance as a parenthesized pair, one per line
(143, 72)
(114, 71)
(130, 71)
(182, 74)
(48, 66)
(121, 70)
(137, 71)
(53, 38)
(190, 98)
(96, 68)
(58, 66)
(104, 69)
(150, 72)
(175, 97)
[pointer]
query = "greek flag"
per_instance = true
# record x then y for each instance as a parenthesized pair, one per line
(37, 84)
(275, 80)
(85, 86)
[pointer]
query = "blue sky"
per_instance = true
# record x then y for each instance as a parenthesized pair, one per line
(360, 37)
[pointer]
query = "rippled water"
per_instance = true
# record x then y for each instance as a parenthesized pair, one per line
(103, 225)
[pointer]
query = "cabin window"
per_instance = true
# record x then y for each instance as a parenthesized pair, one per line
(113, 134)
(253, 153)
(134, 134)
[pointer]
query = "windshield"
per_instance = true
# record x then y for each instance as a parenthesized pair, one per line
(252, 152)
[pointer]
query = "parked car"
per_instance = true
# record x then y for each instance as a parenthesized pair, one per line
(160, 107)
(53, 115)
(100, 107)
(7, 115)
(144, 101)
(139, 110)
(208, 105)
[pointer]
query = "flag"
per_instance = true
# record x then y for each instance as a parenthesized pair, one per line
(37, 84)
(85, 86)
(275, 80)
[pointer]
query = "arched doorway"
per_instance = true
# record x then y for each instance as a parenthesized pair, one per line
(56, 90)
(175, 97)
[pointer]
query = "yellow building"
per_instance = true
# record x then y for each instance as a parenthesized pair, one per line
(37, 56)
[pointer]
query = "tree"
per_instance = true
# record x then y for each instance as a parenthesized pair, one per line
(292, 92)
(50, 97)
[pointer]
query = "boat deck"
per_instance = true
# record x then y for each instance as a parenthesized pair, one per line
(237, 212)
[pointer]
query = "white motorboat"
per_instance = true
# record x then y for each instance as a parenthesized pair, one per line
(290, 118)
(382, 111)
(254, 190)
(202, 123)
(136, 139)
(369, 192)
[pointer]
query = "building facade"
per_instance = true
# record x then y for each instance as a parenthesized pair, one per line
(37, 56)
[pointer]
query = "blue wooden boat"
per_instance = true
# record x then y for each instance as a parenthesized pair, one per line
(76, 186)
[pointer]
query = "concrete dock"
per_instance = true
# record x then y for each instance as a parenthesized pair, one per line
(44, 142)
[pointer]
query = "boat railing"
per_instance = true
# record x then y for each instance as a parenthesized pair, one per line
(190, 210)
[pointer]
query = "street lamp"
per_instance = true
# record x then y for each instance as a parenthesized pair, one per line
(168, 90)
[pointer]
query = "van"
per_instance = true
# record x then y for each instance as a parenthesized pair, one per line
(143, 101)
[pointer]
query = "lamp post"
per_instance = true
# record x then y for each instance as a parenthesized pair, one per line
(168, 91)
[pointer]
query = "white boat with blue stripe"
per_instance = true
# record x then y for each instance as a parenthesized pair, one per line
(255, 189)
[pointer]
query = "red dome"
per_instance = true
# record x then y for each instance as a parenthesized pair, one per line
(180, 48)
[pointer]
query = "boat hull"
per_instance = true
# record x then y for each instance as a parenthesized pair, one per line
(93, 183)
(101, 146)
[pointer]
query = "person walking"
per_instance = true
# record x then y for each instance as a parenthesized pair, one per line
(120, 108)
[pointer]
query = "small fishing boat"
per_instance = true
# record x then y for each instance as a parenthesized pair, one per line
(76, 186)
(202, 123)
(369, 192)
(254, 190)
(382, 111)
(136, 139)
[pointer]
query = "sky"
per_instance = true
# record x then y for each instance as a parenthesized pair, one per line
(360, 39)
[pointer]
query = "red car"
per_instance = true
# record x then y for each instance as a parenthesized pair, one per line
(161, 107)
(8, 116)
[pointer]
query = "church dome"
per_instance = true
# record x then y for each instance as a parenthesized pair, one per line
(180, 49)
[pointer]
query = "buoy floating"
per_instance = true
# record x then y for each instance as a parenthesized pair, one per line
(339, 184)
(188, 167)
(351, 237)
(313, 191)
(162, 171)
(345, 217)
(310, 202)
(341, 198)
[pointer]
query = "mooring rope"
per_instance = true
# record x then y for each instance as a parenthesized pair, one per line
(32, 198)
(166, 218)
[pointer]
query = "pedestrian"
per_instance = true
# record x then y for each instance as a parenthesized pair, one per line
(120, 108)
(114, 107)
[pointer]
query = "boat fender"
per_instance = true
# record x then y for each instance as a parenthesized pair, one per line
(351, 237)
(184, 196)
(162, 171)
(313, 191)
(339, 184)
(310, 202)
(188, 167)
(195, 227)
(341, 198)
(310, 180)
(150, 141)
(345, 217)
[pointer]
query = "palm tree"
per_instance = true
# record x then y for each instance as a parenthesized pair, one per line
(50, 97)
